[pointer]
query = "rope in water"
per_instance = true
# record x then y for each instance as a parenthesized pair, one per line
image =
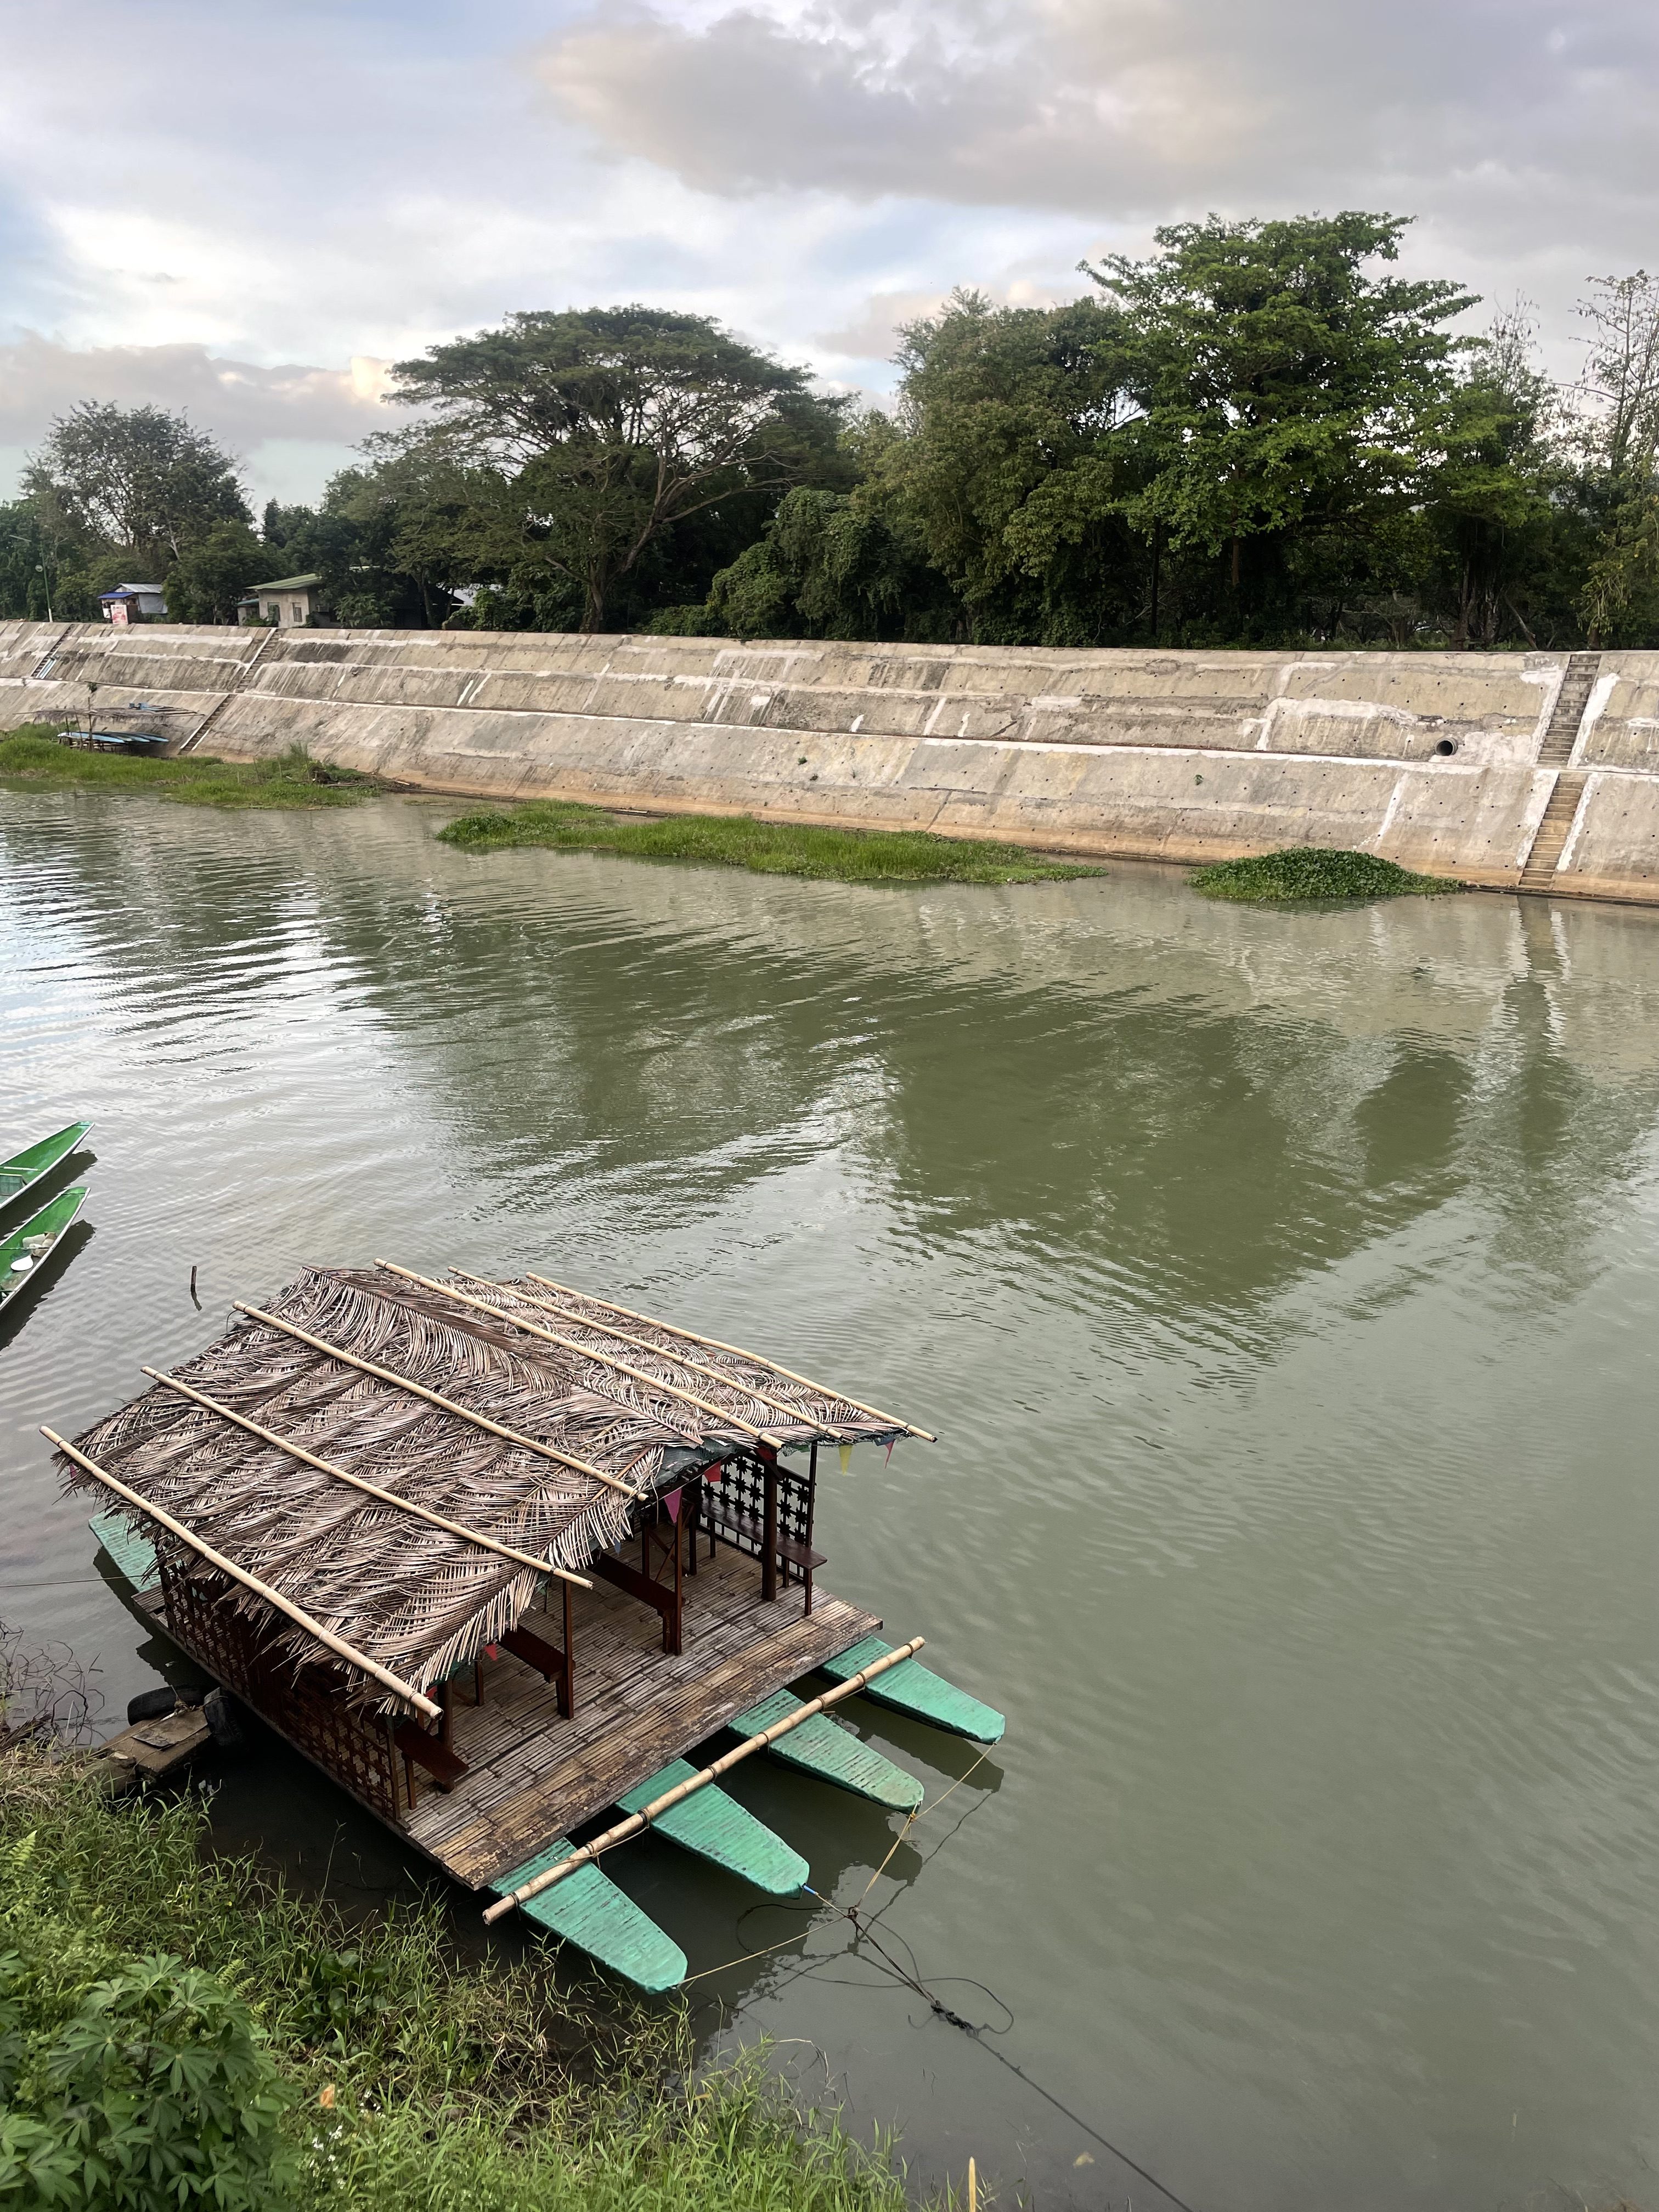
(863, 1933)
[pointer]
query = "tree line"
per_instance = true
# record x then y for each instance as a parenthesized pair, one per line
(1261, 434)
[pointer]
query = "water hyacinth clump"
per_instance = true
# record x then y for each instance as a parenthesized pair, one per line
(1314, 875)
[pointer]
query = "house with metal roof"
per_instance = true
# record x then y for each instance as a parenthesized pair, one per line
(131, 603)
(287, 601)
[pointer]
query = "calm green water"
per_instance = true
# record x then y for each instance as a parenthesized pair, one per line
(1284, 1291)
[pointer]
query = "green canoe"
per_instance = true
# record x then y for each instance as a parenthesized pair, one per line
(717, 1828)
(25, 1169)
(23, 1253)
(823, 1748)
(912, 1688)
(588, 1909)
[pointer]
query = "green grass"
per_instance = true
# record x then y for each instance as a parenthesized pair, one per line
(415, 2081)
(32, 760)
(768, 848)
(1314, 874)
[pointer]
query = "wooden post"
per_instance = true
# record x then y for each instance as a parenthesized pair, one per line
(446, 1731)
(566, 1692)
(812, 1515)
(680, 1588)
(769, 1529)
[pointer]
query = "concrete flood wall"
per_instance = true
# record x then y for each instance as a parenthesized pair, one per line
(1492, 767)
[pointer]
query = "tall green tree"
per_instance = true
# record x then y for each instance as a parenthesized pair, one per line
(1008, 468)
(1286, 385)
(582, 438)
(134, 481)
(1619, 441)
(829, 566)
(213, 572)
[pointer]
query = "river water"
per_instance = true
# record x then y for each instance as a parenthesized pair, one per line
(1284, 1290)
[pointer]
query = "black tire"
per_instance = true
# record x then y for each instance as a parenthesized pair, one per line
(151, 1704)
(223, 1724)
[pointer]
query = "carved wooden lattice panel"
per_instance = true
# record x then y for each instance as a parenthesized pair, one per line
(309, 1707)
(735, 1506)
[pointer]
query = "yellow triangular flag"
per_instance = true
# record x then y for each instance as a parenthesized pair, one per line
(846, 1457)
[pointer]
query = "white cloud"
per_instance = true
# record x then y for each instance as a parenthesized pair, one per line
(292, 425)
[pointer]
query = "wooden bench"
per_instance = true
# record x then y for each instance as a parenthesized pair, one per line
(548, 1662)
(446, 1767)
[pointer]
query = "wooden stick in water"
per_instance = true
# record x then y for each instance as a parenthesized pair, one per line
(715, 1345)
(583, 1351)
(311, 1625)
(436, 1398)
(369, 1489)
(636, 1821)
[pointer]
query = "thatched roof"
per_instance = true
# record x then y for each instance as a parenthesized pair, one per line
(415, 1598)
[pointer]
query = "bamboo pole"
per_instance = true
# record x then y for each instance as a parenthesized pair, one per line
(587, 1351)
(312, 1626)
(796, 1413)
(369, 1489)
(436, 1398)
(637, 1821)
(715, 1344)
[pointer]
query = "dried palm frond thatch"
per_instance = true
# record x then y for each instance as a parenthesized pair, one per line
(635, 1402)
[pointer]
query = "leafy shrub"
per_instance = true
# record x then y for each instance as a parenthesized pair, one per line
(157, 2094)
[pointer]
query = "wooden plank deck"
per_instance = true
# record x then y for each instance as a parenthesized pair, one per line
(535, 1776)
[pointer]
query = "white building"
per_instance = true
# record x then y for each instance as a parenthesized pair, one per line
(288, 601)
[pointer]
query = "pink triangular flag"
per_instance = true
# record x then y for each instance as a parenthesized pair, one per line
(673, 1501)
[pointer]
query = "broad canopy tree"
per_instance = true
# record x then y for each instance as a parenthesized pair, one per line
(577, 439)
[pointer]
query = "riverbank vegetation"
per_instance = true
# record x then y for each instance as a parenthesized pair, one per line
(1314, 874)
(180, 2033)
(766, 848)
(33, 759)
(1261, 433)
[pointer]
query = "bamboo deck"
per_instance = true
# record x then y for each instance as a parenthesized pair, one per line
(535, 1776)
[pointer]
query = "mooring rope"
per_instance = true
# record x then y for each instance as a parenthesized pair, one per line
(863, 1933)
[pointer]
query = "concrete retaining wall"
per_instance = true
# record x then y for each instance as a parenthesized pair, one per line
(1442, 762)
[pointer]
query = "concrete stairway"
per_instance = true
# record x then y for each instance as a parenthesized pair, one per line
(1555, 829)
(1582, 669)
(1555, 825)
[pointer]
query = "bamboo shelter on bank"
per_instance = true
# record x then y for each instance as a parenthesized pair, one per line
(495, 1555)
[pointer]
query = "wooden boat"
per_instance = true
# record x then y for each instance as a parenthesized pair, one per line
(558, 1544)
(24, 1254)
(19, 1174)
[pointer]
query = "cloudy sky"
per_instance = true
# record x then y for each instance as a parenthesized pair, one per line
(246, 213)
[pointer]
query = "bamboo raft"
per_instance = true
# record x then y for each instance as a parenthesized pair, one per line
(497, 1556)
